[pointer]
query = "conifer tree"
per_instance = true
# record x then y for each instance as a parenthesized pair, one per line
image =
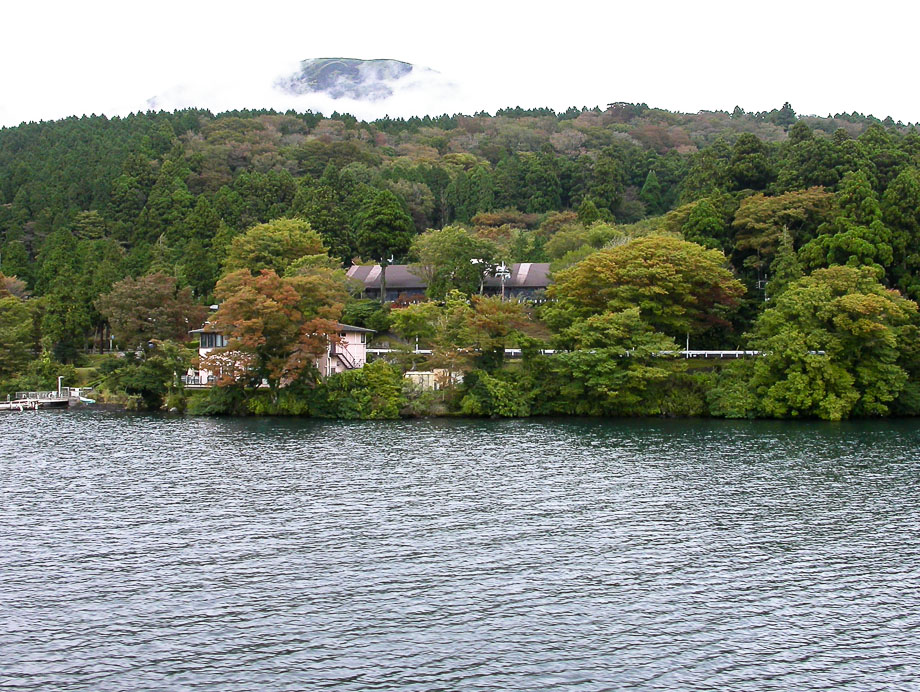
(650, 194)
(386, 231)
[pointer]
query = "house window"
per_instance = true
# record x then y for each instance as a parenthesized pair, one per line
(211, 340)
(363, 337)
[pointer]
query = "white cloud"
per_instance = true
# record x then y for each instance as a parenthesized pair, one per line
(63, 58)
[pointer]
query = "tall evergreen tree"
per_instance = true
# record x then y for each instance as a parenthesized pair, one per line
(386, 231)
(650, 194)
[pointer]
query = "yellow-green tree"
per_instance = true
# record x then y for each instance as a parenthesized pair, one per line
(274, 245)
(452, 258)
(679, 287)
(835, 344)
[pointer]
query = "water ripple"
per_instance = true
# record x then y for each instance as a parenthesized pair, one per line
(159, 553)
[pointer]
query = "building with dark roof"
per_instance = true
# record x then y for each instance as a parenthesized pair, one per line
(528, 281)
(400, 281)
(347, 351)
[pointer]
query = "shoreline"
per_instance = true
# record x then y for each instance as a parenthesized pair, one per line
(123, 408)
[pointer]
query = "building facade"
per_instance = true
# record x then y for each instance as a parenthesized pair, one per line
(348, 352)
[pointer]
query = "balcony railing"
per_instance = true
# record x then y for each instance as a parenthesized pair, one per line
(65, 393)
(197, 381)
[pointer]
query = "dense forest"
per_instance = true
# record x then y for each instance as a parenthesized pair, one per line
(795, 236)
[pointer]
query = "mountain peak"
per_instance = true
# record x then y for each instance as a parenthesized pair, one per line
(363, 80)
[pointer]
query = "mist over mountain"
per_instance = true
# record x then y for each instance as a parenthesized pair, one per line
(370, 80)
(366, 88)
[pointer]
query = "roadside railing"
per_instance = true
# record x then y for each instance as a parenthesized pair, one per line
(65, 393)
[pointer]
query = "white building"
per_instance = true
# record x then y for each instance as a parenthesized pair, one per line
(347, 353)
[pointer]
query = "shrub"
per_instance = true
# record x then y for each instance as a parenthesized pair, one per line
(374, 391)
(487, 395)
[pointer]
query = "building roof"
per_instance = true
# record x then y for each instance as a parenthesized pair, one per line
(351, 328)
(398, 276)
(209, 329)
(523, 275)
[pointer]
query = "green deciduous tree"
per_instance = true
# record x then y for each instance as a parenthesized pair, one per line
(15, 334)
(141, 311)
(588, 212)
(619, 366)
(491, 327)
(152, 377)
(444, 259)
(705, 226)
(832, 345)
(486, 394)
(369, 393)
(42, 373)
(678, 286)
(274, 245)
(417, 322)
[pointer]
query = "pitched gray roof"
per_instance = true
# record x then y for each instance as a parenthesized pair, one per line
(398, 276)
(523, 275)
(351, 328)
(208, 328)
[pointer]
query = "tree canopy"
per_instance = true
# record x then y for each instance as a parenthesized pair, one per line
(678, 286)
(274, 245)
(149, 308)
(659, 227)
(276, 328)
(835, 343)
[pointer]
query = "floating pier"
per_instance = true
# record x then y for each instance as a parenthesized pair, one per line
(33, 401)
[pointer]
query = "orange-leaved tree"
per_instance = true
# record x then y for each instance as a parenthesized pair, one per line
(275, 329)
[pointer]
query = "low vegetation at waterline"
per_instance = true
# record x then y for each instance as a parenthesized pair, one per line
(795, 237)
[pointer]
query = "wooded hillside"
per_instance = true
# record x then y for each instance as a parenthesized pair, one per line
(87, 202)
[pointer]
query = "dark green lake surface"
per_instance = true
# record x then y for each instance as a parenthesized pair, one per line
(157, 553)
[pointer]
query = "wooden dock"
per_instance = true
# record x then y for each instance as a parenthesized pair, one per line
(34, 401)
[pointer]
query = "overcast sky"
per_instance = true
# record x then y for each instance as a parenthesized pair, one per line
(65, 58)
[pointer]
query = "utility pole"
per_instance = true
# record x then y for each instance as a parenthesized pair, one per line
(502, 272)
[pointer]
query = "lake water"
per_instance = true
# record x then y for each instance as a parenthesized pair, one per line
(159, 553)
